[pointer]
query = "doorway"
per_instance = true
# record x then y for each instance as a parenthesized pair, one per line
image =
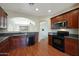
(43, 34)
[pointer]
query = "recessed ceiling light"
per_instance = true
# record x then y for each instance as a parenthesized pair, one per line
(31, 4)
(49, 10)
(36, 9)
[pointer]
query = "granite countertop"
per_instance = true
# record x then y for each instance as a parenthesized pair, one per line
(4, 36)
(74, 36)
(52, 33)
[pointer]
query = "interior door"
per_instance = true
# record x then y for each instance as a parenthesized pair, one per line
(43, 34)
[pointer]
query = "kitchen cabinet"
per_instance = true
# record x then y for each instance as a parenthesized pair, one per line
(3, 18)
(22, 41)
(50, 39)
(53, 21)
(71, 46)
(78, 47)
(60, 18)
(36, 37)
(15, 42)
(4, 47)
(70, 17)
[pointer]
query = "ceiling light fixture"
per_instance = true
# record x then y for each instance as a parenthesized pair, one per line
(49, 10)
(36, 9)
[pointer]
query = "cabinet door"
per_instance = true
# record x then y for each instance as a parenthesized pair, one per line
(36, 37)
(18, 42)
(14, 42)
(50, 39)
(53, 21)
(0, 21)
(71, 46)
(60, 18)
(72, 19)
(4, 47)
(78, 48)
(0, 18)
(3, 19)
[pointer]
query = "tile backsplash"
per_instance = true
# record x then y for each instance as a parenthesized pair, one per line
(71, 31)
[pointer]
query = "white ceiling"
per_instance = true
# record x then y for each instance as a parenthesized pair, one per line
(43, 8)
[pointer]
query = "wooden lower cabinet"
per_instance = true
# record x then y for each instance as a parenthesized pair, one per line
(71, 46)
(22, 41)
(15, 42)
(36, 37)
(50, 39)
(4, 48)
(78, 47)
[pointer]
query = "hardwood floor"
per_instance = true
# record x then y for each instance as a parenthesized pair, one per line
(39, 49)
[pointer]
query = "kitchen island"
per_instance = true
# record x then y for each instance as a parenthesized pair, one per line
(10, 41)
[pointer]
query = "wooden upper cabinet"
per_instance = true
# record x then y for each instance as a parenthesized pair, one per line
(71, 17)
(3, 18)
(60, 18)
(53, 20)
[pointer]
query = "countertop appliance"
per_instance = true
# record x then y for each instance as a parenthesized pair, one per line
(58, 40)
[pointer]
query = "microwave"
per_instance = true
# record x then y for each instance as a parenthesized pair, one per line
(62, 24)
